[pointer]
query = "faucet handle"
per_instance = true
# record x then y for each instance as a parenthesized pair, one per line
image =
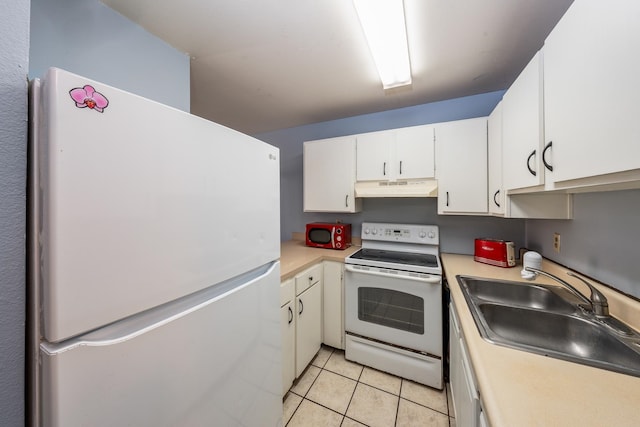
(598, 300)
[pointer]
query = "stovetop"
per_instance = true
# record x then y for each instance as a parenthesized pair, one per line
(420, 260)
(406, 247)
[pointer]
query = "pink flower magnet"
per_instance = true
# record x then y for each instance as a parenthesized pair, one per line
(87, 97)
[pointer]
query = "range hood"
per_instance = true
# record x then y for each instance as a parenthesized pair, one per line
(414, 188)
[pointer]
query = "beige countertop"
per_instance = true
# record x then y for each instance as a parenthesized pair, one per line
(295, 256)
(524, 389)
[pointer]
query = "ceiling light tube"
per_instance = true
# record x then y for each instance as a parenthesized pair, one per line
(384, 28)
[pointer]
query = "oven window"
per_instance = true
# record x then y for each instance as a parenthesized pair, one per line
(391, 308)
(320, 235)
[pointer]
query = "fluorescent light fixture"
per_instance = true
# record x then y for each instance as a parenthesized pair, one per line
(384, 28)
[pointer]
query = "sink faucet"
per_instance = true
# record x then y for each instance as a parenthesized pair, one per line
(597, 301)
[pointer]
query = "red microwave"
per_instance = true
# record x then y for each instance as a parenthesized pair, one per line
(328, 235)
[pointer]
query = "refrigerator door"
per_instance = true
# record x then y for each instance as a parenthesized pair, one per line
(141, 204)
(213, 358)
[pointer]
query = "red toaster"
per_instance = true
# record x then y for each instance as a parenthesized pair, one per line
(500, 253)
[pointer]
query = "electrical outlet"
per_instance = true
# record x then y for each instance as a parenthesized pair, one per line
(556, 242)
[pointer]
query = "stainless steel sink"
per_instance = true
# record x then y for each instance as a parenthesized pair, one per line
(519, 294)
(540, 319)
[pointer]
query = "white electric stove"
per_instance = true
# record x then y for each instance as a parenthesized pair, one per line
(393, 302)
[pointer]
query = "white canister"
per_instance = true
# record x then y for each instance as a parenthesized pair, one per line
(530, 259)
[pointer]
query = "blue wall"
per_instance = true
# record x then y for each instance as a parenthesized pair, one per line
(88, 38)
(600, 241)
(457, 232)
(14, 56)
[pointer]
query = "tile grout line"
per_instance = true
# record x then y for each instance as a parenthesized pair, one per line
(352, 394)
(395, 422)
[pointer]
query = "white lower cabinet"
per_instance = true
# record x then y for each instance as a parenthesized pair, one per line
(288, 328)
(333, 304)
(466, 398)
(308, 304)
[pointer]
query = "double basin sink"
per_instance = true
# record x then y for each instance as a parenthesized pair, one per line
(550, 321)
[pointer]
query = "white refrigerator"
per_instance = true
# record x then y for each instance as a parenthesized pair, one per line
(154, 272)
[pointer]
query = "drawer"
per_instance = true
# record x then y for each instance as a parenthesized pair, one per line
(287, 291)
(307, 278)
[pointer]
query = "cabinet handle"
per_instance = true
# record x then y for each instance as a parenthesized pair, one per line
(311, 278)
(384, 168)
(400, 167)
(494, 198)
(346, 201)
(290, 315)
(533, 153)
(544, 153)
(301, 307)
(447, 198)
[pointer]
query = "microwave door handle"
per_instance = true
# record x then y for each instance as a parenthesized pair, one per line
(430, 279)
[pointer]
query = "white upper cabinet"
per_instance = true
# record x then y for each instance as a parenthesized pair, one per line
(592, 95)
(494, 161)
(374, 156)
(522, 129)
(415, 152)
(396, 154)
(461, 148)
(330, 175)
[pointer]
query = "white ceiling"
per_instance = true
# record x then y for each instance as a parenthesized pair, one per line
(261, 65)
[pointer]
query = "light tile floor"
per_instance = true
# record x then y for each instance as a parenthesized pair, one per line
(336, 392)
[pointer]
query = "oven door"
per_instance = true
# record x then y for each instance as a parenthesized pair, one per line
(395, 307)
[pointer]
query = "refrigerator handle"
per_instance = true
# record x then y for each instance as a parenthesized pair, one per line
(138, 325)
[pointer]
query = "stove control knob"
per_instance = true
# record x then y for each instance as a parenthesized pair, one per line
(366, 231)
(432, 234)
(374, 232)
(423, 234)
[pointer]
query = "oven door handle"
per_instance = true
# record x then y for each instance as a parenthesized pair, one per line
(430, 279)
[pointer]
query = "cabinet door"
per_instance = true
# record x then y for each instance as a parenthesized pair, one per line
(288, 327)
(374, 162)
(330, 175)
(332, 304)
(308, 326)
(592, 100)
(462, 166)
(522, 129)
(415, 154)
(494, 161)
(466, 401)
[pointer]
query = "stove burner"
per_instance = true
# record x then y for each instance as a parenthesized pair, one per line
(406, 258)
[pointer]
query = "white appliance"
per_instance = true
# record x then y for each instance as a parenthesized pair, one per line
(393, 302)
(154, 273)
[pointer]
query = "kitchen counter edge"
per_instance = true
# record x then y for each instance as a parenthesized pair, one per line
(295, 257)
